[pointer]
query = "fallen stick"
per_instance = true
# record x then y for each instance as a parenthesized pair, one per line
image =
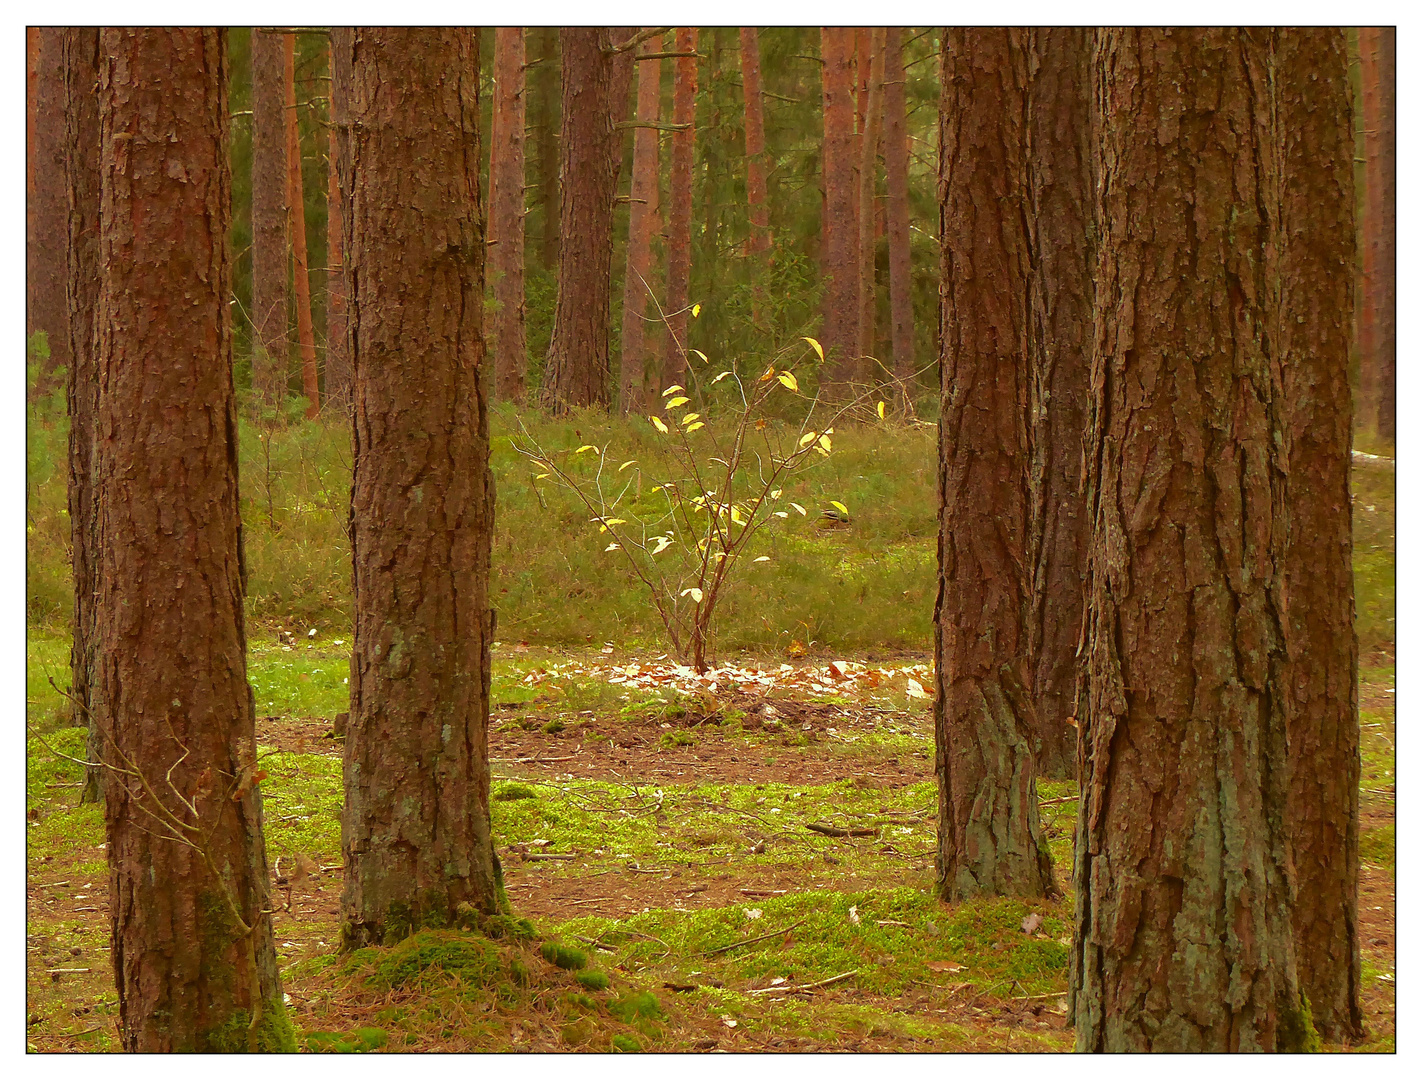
(834, 830)
(761, 892)
(788, 989)
(1053, 802)
(542, 760)
(66, 971)
(591, 900)
(892, 922)
(538, 856)
(752, 941)
(1040, 997)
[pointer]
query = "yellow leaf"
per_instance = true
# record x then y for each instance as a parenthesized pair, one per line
(761, 558)
(809, 437)
(777, 493)
(657, 423)
(701, 354)
(821, 450)
(689, 417)
(696, 311)
(719, 377)
(800, 508)
(695, 594)
(618, 521)
(694, 426)
(670, 390)
(611, 547)
(816, 346)
(881, 410)
(840, 507)
(769, 374)
(580, 449)
(736, 516)
(781, 514)
(825, 442)
(787, 379)
(676, 403)
(663, 543)
(626, 464)
(541, 476)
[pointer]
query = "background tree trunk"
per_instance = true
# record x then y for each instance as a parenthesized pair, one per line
(416, 834)
(1317, 252)
(759, 243)
(577, 372)
(679, 208)
(1378, 332)
(193, 955)
(506, 215)
(841, 238)
(49, 207)
(80, 56)
(1183, 940)
(546, 119)
(990, 839)
(296, 207)
(896, 160)
(1059, 206)
(644, 221)
(868, 182)
(271, 352)
(338, 357)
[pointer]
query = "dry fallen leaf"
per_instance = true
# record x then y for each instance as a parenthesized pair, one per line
(943, 965)
(1031, 923)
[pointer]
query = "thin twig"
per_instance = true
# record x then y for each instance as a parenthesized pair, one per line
(788, 989)
(752, 941)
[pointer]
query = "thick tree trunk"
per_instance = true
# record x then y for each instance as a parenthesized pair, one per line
(896, 158)
(577, 372)
(990, 840)
(1182, 878)
(193, 956)
(1059, 206)
(1378, 330)
(80, 57)
(1316, 247)
(840, 256)
(506, 216)
(49, 209)
(759, 244)
(296, 227)
(416, 834)
(546, 118)
(644, 222)
(338, 357)
(868, 182)
(270, 347)
(683, 157)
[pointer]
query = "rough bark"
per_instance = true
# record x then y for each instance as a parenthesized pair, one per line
(990, 840)
(80, 59)
(1378, 329)
(644, 222)
(338, 357)
(1059, 195)
(506, 134)
(416, 834)
(758, 245)
(1183, 939)
(49, 210)
(270, 344)
(683, 156)
(296, 228)
(840, 242)
(896, 158)
(193, 956)
(1316, 245)
(868, 177)
(546, 110)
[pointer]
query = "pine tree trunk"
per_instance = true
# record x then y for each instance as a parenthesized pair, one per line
(193, 956)
(990, 840)
(1378, 331)
(683, 157)
(416, 834)
(644, 222)
(49, 211)
(510, 357)
(296, 227)
(868, 178)
(840, 245)
(1059, 206)
(546, 119)
(1183, 940)
(80, 60)
(577, 373)
(338, 357)
(896, 159)
(759, 244)
(1317, 253)
(271, 351)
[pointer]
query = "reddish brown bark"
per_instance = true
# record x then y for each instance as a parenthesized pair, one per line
(1182, 878)
(990, 839)
(296, 228)
(338, 357)
(840, 254)
(546, 118)
(759, 242)
(683, 156)
(270, 344)
(48, 206)
(868, 177)
(644, 222)
(416, 833)
(194, 961)
(507, 335)
(1378, 326)
(896, 158)
(80, 59)
(1316, 245)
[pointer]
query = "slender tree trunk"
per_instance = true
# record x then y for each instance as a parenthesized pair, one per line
(896, 158)
(48, 216)
(841, 238)
(1316, 247)
(644, 222)
(990, 840)
(1378, 46)
(80, 56)
(1061, 228)
(1182, 879)
(296, 207)
(506, 215)
(868, 182)
(759, 245)
(338, 357)
(546, 119)
(271, 351)
(193, 956)
(683, 158)
(416, 833)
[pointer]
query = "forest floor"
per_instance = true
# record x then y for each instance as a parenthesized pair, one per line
(709, 854)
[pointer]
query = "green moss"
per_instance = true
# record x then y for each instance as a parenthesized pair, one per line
(633, 1007)
(672, 739)
(498, 927)
(1296, 1033)
(1379, 846)
(359, 1041)
(554, 726)
(625, 1044)
(509, 792)
(593, 980)
(473, 959)
(275, 1034)
(564, 957)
